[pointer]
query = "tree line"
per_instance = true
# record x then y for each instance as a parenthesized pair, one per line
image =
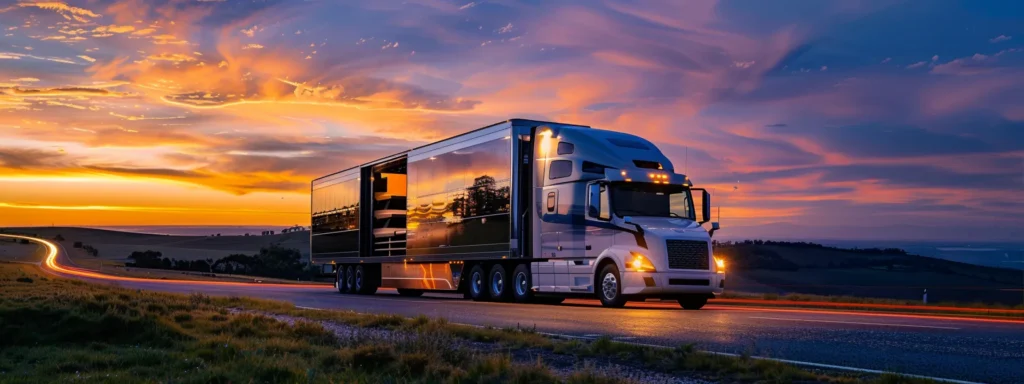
(272, 261)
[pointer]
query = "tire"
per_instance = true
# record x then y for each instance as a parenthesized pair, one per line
(692, 302)
(499, 283)
(350, 279)
(522, 282)
(477, 288)
(410, 292)
(339, 278)
(609, 287)
(364, 282)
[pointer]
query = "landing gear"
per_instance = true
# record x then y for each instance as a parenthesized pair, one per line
(693, 302)
(522, 283)
(610, 287)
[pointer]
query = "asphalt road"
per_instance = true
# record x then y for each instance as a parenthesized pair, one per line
(973, 350)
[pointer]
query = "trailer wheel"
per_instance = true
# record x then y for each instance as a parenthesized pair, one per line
(610, 287)
(350, 279)
(522, 283)
(478, 284)
(410, 292)
(500, 284)
(364, 282)
(339, 278)
(693, 302)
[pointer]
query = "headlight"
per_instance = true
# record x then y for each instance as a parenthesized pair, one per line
(720, 265)
(639, 263)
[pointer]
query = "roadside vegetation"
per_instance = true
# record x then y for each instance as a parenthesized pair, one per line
(60, 330)
(272, 261)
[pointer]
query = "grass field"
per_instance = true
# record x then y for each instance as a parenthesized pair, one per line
(58, 330)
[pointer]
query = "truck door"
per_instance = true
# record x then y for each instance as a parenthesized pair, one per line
(599, 237)
(548, 197)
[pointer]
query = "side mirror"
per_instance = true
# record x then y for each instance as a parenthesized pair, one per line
(714, 227)
(706, 207)
(627, 219)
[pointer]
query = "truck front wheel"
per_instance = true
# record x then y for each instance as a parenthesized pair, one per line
(693, 302)
(610, 287)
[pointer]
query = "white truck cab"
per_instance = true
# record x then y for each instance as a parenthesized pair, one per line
(621, 220)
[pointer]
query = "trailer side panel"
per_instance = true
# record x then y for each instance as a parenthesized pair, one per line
(460, 197)
(335, 217)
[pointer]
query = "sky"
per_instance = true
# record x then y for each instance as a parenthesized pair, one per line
(829, 119)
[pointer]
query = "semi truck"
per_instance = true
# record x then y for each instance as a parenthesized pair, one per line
(520, 211)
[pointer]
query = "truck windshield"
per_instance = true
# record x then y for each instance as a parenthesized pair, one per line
(647, 199)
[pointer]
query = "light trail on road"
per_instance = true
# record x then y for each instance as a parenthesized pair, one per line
(50, 262)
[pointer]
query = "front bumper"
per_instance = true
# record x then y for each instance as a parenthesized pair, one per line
(672, 283)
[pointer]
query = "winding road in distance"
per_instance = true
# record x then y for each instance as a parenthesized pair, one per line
(974, 350)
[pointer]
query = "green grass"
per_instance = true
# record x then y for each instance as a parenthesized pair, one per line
(60, 330)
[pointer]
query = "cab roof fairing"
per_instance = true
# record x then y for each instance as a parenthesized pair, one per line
(606, 148)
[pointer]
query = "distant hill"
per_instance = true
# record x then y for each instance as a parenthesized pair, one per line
(800, 267)
(118, 245)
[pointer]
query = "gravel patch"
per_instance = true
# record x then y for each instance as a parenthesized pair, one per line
(562, 365)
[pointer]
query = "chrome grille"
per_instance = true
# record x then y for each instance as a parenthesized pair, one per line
(687, 254)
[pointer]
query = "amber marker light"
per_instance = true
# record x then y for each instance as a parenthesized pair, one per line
(639, 263)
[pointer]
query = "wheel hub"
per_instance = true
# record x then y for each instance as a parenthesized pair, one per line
(477, 282)
(497, 283)
(609, 286)
(521, 284)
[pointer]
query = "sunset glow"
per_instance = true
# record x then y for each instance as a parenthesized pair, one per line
(184, 112)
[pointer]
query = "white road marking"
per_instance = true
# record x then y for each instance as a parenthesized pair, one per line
(853, 322)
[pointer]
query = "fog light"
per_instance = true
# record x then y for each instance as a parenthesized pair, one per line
(639, 263)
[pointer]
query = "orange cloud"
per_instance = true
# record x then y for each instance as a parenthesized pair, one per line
(69, 12)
